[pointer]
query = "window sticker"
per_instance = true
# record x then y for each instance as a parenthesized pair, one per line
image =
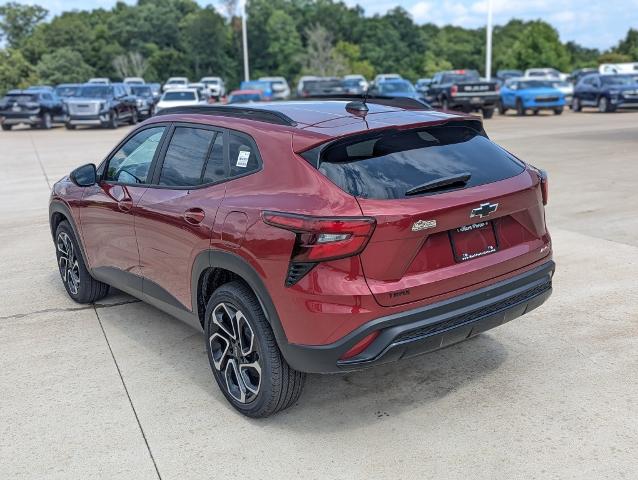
(242, 158)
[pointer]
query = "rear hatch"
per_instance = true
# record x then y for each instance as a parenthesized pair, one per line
(452, 209)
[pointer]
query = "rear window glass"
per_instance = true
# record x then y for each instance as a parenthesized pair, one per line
(388, 166)
(21, 97)
(177, 96)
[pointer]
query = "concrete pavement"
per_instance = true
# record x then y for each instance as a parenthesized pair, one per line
(122, 390)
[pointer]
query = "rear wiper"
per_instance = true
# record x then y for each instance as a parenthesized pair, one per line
(460, 179)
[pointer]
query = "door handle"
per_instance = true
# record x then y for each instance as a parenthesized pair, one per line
(125, 205)
(194, 216)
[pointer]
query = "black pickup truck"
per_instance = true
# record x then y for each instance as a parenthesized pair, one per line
(463, 90)
(36, 108)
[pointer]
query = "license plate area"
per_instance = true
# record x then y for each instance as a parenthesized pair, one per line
(473, 241)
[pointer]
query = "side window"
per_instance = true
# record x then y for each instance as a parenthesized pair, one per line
(132, 162)
(215, 168)
(243, 154)
(186, 156)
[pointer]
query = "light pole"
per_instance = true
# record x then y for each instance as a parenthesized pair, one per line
(244, 38)
(488, 46)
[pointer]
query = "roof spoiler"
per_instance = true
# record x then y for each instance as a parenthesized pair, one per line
(400, 102)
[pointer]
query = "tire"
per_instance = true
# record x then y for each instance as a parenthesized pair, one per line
(112, 121)
(69, 126)
(134, 118)
(558, 111)
(487, 112)
(6, 127)
(268, 385)
(520, 110)
(603, 105)
(77, 280)
(576, 106)
(45, 121)
(502, 109)
(445, 104)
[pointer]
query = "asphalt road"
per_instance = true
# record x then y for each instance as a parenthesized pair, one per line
(124, 391)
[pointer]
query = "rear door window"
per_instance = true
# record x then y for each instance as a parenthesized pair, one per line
(393, 163)
(186, 156)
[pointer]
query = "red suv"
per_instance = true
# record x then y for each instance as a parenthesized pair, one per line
(317, 236)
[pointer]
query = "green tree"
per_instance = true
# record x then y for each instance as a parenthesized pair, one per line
(538, 45)
(284, 47)
(15, 71)
(63, 66)
(629, 45)
(351, 55)
(614, 57)
(205, 39)
(433, 64)
(581, 57)
(18, 21)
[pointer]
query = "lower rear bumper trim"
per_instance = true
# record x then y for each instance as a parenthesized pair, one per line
(429, 328)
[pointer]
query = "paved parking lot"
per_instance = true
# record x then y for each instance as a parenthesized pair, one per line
(124, 391)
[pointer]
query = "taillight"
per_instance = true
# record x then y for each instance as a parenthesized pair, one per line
(454, 89)
(319, 239)
(544, 186)
(497, 88)
(360, 346)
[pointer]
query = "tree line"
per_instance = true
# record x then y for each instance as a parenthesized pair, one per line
(161, 38)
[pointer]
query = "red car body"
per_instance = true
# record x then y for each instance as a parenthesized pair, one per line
(402, 292)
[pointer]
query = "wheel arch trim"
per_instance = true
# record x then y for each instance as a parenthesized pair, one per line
(59, 207)
(213, 258)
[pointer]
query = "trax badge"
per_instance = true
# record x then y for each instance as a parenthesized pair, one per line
(423, 224)
(484, 210)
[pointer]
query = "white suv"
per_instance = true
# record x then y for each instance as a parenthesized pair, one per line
(279, 86)
(215, 86)
(175, 82)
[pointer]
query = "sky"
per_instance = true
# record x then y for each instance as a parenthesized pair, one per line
(599, 24)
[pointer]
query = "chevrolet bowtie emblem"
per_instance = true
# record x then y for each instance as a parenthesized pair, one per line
(484, 210)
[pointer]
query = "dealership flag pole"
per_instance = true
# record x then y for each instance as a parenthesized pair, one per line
(244, 38)
(488, 47)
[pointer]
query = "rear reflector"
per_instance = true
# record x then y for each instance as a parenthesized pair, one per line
(360, 346)
(319, 239)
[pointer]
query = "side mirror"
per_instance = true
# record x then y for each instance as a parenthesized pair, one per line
(84, 176)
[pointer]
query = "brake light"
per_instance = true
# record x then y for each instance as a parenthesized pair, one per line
(454, 89)
(544, 186)
(497, 88)
(319, 239)
(360, 346)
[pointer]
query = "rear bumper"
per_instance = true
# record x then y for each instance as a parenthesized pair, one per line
(469, 101)
(18, 118)
(429, 328)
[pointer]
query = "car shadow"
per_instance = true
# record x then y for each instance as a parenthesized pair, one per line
(176, 353)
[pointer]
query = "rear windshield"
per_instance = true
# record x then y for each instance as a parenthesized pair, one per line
(21, 97)
(177, 96)
(94, 91)
(396, 86)
(469, 76)
(391, 164)
(244, 98)
(141, 90)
